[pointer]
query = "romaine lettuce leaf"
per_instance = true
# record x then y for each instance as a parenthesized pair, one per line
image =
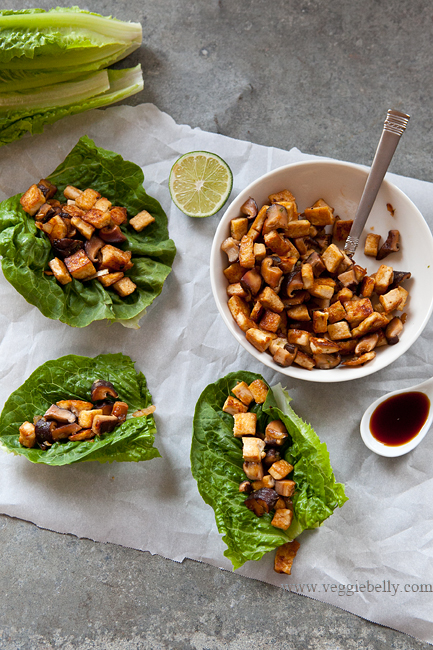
(26, 251)
(72, 377)
(216, 464)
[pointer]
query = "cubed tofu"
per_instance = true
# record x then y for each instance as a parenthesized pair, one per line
(298, 337)
(404, 296)
(246, 252)
(336, 312)
(285, 356)
(238, 228)
(237, 290)
(259, 391)
(244, 322)
(27, 436)
(277, 243)
(271, 322)
(299, 313)
(97, 218)
(115, 259)
(234, 272)
(74, 405)
(360, 273)
(260, 340)
(307, 276)
(245, 424)
(118, 215)
(371, 246)
(284, 195)
(257, 312)
(141, 220)
(124, 287)
(237, 305)
(79, 265)
(345, 264)
(71, 193)
(323, 346)
(83, 227)
(347, 278)
(257, 225)
(342, 229)
(87, 199)
(282, 518)
(304, 360)
(280, 469)
(320, 215)
(339, 330)
(32, 200)
(60, 271)
(55, 228)
(344, 295)
(285, 488)
(383, 279)
(270, 300)
(358, 310)
(322, 289)
(259, 252)
(110, 278)
(367, 286)
(103, 204)
(332, 258)
(372, 323)
(268, 481)
(253, 449)
(85, 418)
(300, 228)
(391, 300)
(243, 393)
(233, 405)
(320, 322)
(285, 556)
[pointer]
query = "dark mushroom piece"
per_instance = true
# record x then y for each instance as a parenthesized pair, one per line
(45, 213)
(262, 501)
(270, 273)
(120, 411)
(60, 415)
(251, 281)
(104, 424)
(316, 262)
(399, 277)
(92, 248)
(393, 331)
(61, 433)
(272, 456)
(43, 432)
(391, 245)
(106, 407)
(275, 433)
(293, 282)
(47, 188)
(112, 235)
(250, 208)
(276, 217)
(66, 247)
(102, 389)
(246, 487)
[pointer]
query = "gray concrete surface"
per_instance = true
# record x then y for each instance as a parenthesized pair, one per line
(318, 75)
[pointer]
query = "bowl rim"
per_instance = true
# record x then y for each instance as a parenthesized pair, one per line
(295, 371)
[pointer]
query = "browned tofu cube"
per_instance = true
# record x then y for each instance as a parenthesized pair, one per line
(360, 273)
(118, 215)
(284, 557)
(115, 259)
(141, 220)
(268, 481)
(103, 204)
(32, 200)
(347, 347)
(367, 286)
(300, 228)
(345, 264)
(237, 290)
(336, 312)
(280, 469)
(332, 258)
(85, 418)
(371, 246)
(383, 279)
(234, 272)
(304, 360)
(299, 313)
(124, 287)
(243, 393)
(97, 218)
(307, 276)
(110, 278)
(87, 199)
(277, 243)
(372, 323)
(347, 278)
(320, 215)
(259, 252)
(79, 265)
(83, 227)
(391, 300)
(233, 405)
(27, 436)
(358, 310)
(60, 271)
(238, 228)
(270, 300)
(342, 229)
(72, 193)
(322, 289)
(344, 295)
(404, 296)
(285, 356)
(253, 449)
(323, 346)
(257, 312)
(259, 391)
(282, 518)
(320, 321)
(245, 424)
(298, 337)
(238, 305)
(260, 340)
(285, 488)
(340, 330)
(55, 228)
(246, 252)
(271, 321)
(284, 195)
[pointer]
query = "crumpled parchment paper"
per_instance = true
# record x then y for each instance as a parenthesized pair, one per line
(381, 538)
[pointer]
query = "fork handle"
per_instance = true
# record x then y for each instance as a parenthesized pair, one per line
(393, 129)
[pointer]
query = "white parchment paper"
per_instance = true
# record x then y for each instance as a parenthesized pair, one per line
(373, 557)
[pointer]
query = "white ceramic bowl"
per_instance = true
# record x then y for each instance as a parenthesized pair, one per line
(341, 185)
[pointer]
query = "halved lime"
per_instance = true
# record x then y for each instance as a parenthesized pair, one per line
(200, 183)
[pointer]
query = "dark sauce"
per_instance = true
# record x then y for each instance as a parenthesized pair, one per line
(400, 418)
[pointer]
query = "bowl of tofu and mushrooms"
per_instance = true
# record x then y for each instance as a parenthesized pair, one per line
(292, 298)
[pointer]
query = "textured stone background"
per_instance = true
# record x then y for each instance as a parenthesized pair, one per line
(318, 75)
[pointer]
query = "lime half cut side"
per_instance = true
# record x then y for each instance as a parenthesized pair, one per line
(200, 183)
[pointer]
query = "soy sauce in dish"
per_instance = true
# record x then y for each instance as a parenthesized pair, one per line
(400, 418)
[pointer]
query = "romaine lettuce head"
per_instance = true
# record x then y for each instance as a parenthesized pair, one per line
(26, 250)
(216, 463)
(71, 377)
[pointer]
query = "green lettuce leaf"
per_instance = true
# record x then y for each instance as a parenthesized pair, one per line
(26, 251)
(72, 377)
(216, 464)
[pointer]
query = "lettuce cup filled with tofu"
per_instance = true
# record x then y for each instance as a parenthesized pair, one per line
(263, 469)
(76, 409)
(87, 243)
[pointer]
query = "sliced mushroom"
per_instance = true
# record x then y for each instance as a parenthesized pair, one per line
(276, 217)
(112, 235)
(92, 247)
(102, 389)
(254, 471)
(275, 433)
(272, 456)
(231, 247)
(67, 247)
(367, 343)
(393, 331)
(293, 283)
(250, 208)
(262, 501)
(246, 487)
(359, 361)
(61, 433)
(120, 411)
(391, 245)
(252, 281)
(270, 273)
(47, 188)
(43, 432)
(60, 415)
(399, 277)
(104, 424)
(326, 361)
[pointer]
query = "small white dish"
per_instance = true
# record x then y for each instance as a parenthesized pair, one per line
(392, 451)
(340, 185)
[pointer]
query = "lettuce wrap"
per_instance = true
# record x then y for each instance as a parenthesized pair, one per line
(71, 377)
(26, 251)
(216, 464)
